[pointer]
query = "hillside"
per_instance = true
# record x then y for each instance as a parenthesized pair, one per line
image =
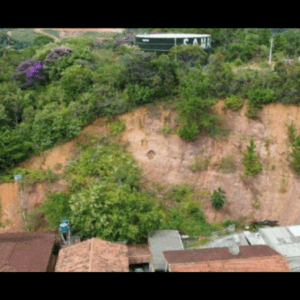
(165, 159)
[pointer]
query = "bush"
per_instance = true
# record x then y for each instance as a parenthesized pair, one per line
(292, 132)
(117, 127)
(260, 96)
(200, 164)
(234, 102)
(226, 165)
(56, 208)
(52, 125)
(188, 55)
(189, 131)
(251, 161)
(218, 198)
(42, 40)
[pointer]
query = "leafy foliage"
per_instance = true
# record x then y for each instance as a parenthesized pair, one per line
(218, 198)
(114, 213)
(234, 102)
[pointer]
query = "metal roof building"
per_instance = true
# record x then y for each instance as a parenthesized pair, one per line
(163, 240)
(254, 238)
(286, 241)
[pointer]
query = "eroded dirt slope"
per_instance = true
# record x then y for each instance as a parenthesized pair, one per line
(166, 158)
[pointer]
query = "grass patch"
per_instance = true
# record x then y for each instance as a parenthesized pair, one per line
(52, 32)
(292, 132)
(24, 35)
(267, 143)
(200, 164)
(117, 127)
(283, 186)
(167, 129)
(226, 165)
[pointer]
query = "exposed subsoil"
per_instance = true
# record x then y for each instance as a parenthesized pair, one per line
(165, 158)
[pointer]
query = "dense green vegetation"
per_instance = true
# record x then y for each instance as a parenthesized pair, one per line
(50, 90)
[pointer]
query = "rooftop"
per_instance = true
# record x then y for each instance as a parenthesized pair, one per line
(261, 258)
(163, 240)
(172, 35)
(93, 255)
(26, 251)
(220, 253)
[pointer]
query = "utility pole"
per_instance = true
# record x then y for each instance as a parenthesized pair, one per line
(270, 56)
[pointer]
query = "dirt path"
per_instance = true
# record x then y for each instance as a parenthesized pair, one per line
(90, 29)
(39, 30)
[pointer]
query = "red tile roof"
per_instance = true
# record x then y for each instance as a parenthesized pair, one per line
(93, 255)
(252, 258)
(26, 251)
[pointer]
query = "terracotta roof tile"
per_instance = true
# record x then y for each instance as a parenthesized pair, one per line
(26, 251)
(254, 258)
(93, 255)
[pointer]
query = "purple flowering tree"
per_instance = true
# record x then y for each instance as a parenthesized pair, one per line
(35, 74)
(29, 72)
(56, 53)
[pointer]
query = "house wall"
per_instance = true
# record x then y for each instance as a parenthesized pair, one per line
(268, 264)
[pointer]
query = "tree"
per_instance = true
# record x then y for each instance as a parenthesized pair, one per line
(218, 198)
(114, 213)
(77, 79)
(251, 161)
(220, 76)
(188, 55)
(42, 40)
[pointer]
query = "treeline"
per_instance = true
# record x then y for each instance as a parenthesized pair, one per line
(51, 90)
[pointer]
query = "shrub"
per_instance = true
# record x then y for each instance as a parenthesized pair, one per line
(218, 198)
(42, 40)
(56, 208)
(200, 164)
(226, 165)
(117, 127)
(234, 102)
(188, 54)
(251, 161)
(180, 192)
(189, 131)
(292, 132)
(260, 96)
(295, 163)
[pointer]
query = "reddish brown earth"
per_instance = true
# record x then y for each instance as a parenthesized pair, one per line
(165, 159)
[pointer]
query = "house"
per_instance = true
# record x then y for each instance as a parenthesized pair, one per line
(93, 255)
(256, 258)
(28, 251)
(163, 240)
(286, 241)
